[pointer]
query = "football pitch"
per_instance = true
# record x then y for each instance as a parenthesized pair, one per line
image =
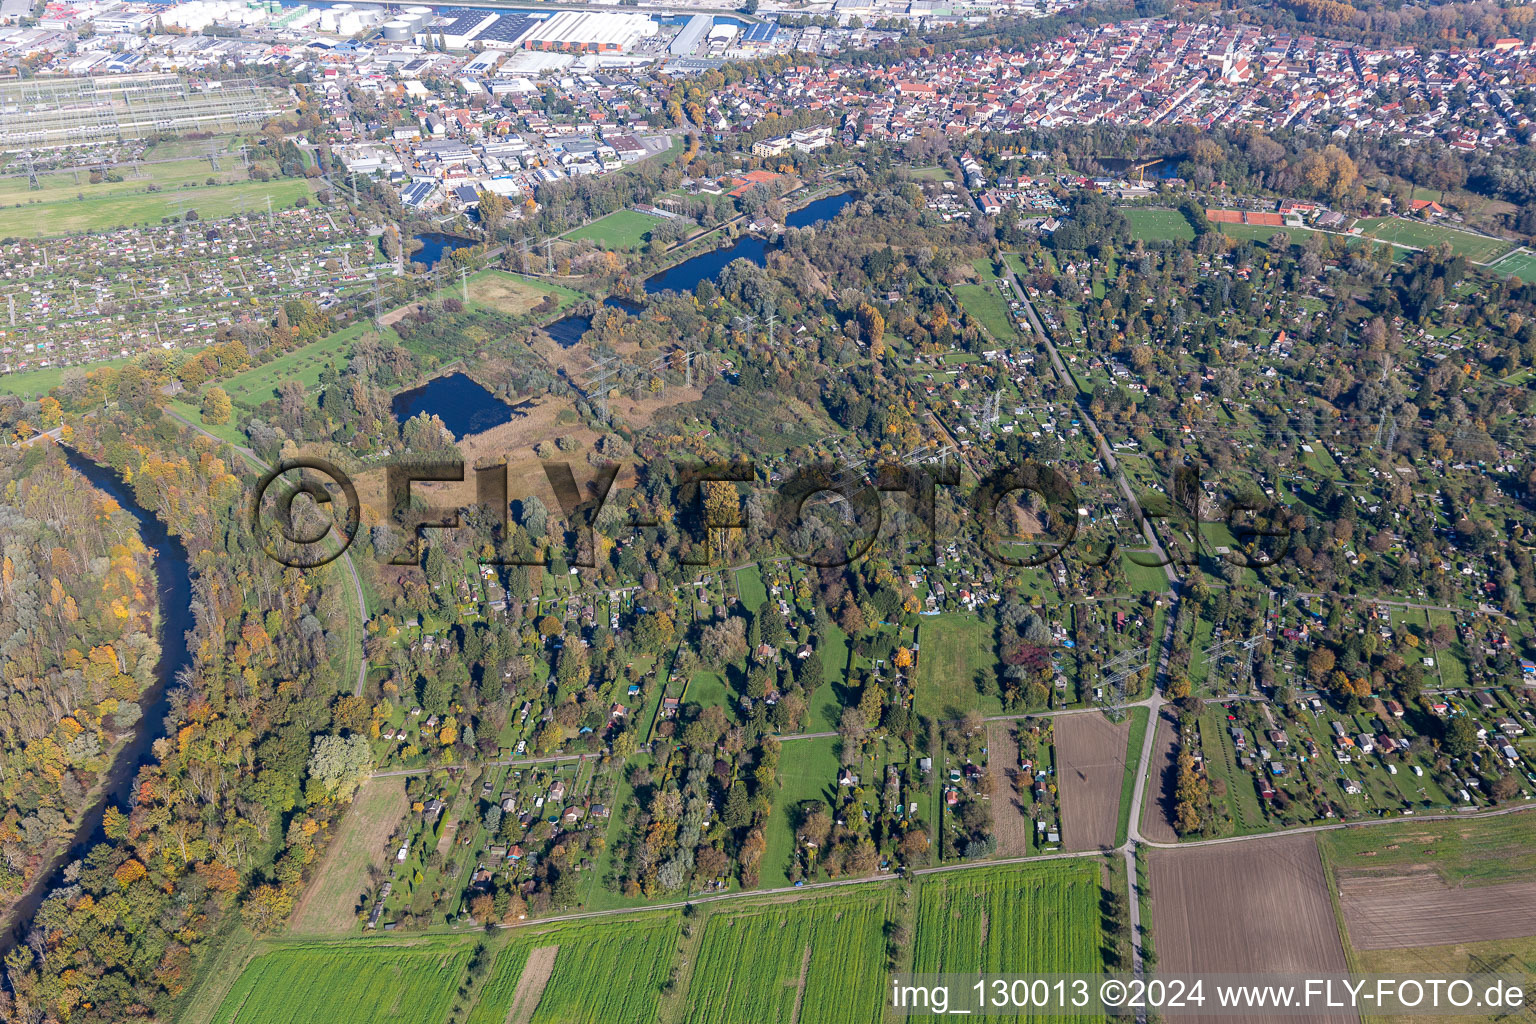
(1422, 235)
(1519, 263)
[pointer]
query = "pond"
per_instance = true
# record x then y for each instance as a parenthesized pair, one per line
(464, 406)
(568, 330)
(685, 277)
(435, 245)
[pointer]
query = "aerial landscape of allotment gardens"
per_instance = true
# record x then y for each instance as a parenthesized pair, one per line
(679, 513)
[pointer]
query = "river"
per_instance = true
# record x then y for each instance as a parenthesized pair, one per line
(175, 618)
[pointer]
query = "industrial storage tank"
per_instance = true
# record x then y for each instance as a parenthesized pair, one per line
(398, 31)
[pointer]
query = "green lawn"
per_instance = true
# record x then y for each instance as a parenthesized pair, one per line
(1139, 719)
(622, 229)
(956, 652)
(985, 303)
(64, 216)
(193, 411)
(1149, 225)
(36, 383)
(807, 771)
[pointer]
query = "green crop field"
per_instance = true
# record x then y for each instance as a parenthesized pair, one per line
(824, 956)
(346, 983)
(956, 652)
(1011, 920)
(604, 973)
(62, 216)
(1159, 225)
(622, 229)
(1423, 235)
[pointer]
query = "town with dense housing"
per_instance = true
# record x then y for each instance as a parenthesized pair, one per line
(503, 510)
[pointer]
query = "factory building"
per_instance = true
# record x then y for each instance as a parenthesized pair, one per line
(688, 40)
(463, 27)
(588, 31)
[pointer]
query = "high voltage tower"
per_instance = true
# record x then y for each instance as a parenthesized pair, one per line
(1114, 673)
(1233, 646)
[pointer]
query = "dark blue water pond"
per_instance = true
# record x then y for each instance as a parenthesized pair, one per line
(685, 277)
(569, 329)
(463, 405)
(435, 245)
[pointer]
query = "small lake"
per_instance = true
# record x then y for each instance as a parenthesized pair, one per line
(685, 277)
(464, 406)
(568, 330)
(435, 245)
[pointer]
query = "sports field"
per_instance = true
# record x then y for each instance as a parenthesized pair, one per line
(1519, 263)
(1159, 225)
(622, 229)
(1423, 235)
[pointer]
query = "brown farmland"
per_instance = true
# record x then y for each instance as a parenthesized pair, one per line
(1259, 906)
(1090, 754)
(1419, 909)
(1157, 817)
(1011, 821)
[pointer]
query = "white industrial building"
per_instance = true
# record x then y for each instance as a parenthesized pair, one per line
(597, 32)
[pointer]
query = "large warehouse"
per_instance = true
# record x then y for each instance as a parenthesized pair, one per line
(591, 31)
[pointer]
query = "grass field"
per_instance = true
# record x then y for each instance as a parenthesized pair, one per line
(807, 771)
(817, 960)
(956, 652)
(1159, 225)
(934, 173)
(66, 215)
(1424, 235)
(252, 387)
(604, 973)
(329, 906)
(1472, 853)
(36, 383)
(513, 293)
(984, 302)
(343, 983)
(1011, 920)
(622, 229)
(224, 431)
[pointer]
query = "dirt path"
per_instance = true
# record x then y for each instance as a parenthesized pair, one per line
(805, 967)
(1010, 818)
(530, 986)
